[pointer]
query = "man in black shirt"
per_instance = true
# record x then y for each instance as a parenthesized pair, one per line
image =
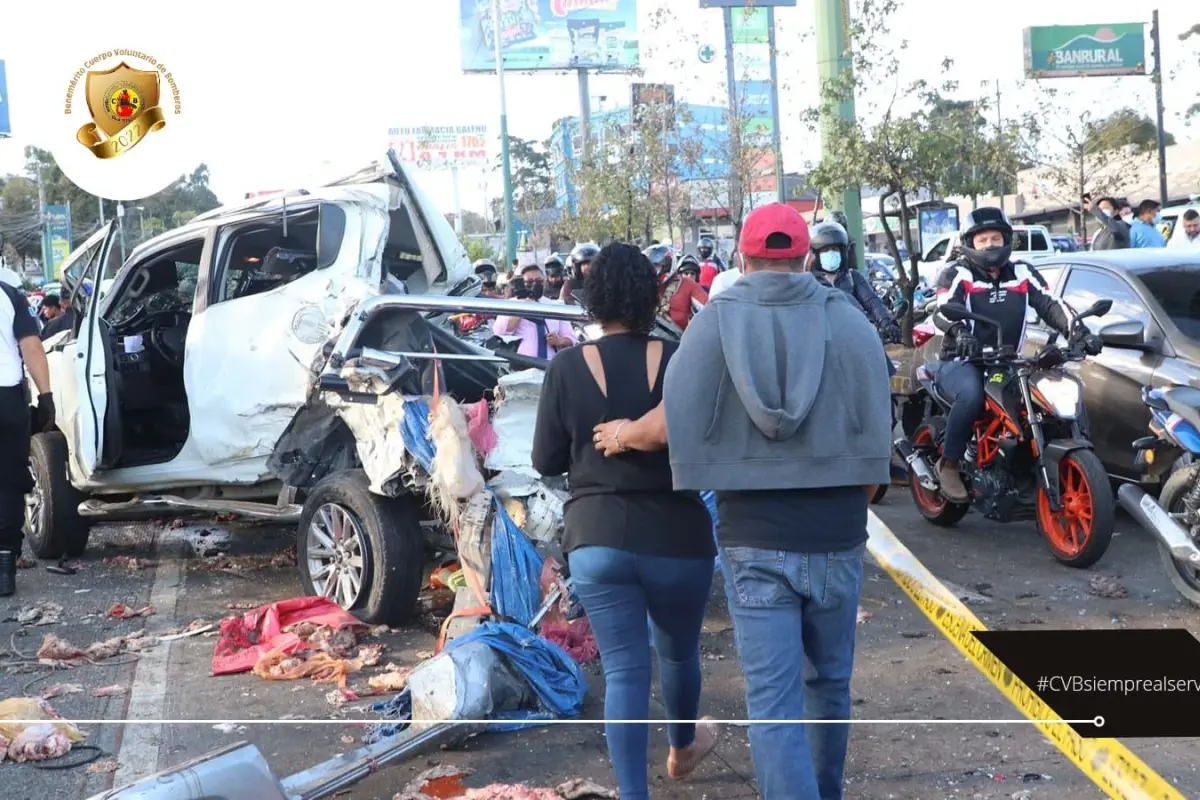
(20, 347)
(57, 318)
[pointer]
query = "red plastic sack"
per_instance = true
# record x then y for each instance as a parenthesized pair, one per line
(244, 640)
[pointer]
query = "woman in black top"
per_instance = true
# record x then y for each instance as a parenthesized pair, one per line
(635, 547)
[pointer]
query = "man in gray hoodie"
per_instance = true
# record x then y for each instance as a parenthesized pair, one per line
(778, 400)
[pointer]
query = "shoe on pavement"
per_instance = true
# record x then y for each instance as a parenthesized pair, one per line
(951, 484)
(8, 573)
(690, 757)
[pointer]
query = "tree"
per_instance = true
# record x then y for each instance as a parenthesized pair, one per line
(473, 223)
(914, 138)
(532, 179)
(1194, 31)
(1128, 127)
(1077, 153)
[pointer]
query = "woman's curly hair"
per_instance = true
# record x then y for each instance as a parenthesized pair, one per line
(622, 286)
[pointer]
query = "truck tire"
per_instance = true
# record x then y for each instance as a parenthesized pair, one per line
(52, 522)
(365, 552)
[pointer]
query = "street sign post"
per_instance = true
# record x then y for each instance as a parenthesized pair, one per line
(1073, 51)
(5, 120)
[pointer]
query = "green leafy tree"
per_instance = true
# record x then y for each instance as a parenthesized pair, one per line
(1192, 34)
(1127, 127)
(912, 139)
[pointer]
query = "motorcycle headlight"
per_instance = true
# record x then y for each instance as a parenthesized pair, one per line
(1058, 395)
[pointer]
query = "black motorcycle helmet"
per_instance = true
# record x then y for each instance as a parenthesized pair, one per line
(485, 268)
(706, 247)
(829, 236)
(553, 267)
(688, 265)
(581, 256)
(988, 218)
(661, 257)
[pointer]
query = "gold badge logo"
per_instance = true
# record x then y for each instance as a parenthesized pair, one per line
(123, 102)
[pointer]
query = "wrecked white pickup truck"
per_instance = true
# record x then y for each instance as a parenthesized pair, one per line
(256, 361)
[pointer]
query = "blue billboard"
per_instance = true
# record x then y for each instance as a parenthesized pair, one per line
(5, 121)
(551, 35)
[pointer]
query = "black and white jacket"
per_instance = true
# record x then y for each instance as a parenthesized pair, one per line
(1005, 298)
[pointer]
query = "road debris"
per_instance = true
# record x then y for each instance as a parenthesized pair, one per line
(130, 563)
(966, 595)
(26, 563)
(119, 610)
(194, 628)
(109, 691)
(583, 789)
(40, 614)
(60, 689)
(103, 767)
(42, 734)
(56, 651)
(863, 615)
(339, 697)
(246, 639)
(1104, 586)
(228, 727)
(575, 637)
(393, 679)
(251, 563)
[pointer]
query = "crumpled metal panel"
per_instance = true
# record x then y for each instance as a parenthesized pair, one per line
(514, 422)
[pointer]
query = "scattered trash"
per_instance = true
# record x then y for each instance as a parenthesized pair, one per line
(40, 614)
(1104, 586)
(339, 697)
(241, 605)
(251, 563)
(42, 734)
(229, 727)
(394, 679)
(26, 563)
(56, 651)
(321, 667)
(246, 639)
(109, 691)
(103, 767)
(442, 781)
(575, 637)
(1023, 794)
(347, 739)
(583, 789)
(130, 563)
(122, 611)
(194, 628)
(966, 595)
(863, 615)
(59, 689)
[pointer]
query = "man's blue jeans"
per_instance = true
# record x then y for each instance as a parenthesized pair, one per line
(794, 615)
(618, 590)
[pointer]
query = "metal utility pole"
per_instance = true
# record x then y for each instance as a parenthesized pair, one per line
(734, 126)
(100, 203)
(510, 231)
(777, 135)
(121, 231)
(833, 59)
(666, 145)
(585, 115)
(46, 267)
(999, 132)
(1156, 38)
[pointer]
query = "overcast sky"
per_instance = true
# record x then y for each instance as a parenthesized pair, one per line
(285, 93)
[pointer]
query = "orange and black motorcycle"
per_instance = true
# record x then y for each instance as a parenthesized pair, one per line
(1029, 456)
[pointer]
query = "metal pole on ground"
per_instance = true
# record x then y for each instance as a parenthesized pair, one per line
(510, 231)
(833, 59)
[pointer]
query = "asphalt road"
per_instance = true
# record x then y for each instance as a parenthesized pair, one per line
(904, 670)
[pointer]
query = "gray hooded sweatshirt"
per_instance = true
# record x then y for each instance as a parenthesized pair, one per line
(780, 382)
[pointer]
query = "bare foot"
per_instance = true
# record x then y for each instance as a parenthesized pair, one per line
(682, 762)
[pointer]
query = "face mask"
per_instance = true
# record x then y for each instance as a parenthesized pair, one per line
(992, 258)
(536, 291)
(1128, 217)
(830, 260)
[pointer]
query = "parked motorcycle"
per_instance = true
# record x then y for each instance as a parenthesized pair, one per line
(1175, 518)
(1028, 456)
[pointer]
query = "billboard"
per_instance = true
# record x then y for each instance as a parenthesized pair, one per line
(551, 35)
(746, 3)
(1073, 51)
(934, 223)
(757, 109)
(5, 121)
(58, 235)
(441, 147)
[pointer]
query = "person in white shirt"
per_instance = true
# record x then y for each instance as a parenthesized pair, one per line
(1190, 238)
(725, 279)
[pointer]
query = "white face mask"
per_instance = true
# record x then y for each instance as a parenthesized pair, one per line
(1127, 216)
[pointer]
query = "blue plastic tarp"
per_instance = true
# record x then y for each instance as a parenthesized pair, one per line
(415, 429)
(516, 570)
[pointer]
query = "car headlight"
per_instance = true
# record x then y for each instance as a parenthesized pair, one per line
(1057, 394)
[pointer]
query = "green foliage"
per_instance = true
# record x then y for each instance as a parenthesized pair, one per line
(478, 248)
(1126, 127)
(1194, 31)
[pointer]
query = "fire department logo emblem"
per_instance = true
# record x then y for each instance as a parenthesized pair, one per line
(123, 102)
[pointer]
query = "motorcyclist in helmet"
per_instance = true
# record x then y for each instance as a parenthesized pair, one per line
(830, 249)
(676, 291)
(581, 257)
(840, 218)
(554, 278)
(986, 281)
(710, 263)
(486, 270)
(689, 266)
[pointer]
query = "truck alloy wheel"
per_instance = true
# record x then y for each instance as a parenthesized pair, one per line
(52, 520)
(335, 553)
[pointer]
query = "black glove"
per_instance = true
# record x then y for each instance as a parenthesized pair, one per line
(44, 417)
(891, 334)
(1092, 344)
(967, 346)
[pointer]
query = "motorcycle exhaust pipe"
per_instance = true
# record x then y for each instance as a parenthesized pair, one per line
(916, 464)
(1155, 519)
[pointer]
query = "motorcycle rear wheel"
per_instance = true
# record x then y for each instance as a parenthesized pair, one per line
(933, 505)
(1079, 535)
(1185, 579)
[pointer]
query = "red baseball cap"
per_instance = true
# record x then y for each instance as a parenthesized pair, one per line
(765, 222)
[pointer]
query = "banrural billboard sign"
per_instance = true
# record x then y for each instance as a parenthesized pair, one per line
(1072, 51)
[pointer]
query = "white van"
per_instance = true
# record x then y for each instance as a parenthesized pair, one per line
(1029, 242)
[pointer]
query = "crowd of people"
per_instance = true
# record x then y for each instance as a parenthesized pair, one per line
(1123, 226)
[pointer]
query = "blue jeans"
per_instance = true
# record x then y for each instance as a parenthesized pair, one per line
(794, 615)
(619, 590)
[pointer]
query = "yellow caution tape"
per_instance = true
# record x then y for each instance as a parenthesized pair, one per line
(1107, 762)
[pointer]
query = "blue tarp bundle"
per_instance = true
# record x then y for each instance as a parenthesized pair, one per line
(516, 570)
(554, 677)
(415, 429)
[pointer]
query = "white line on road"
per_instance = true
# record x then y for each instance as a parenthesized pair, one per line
(138, 754)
